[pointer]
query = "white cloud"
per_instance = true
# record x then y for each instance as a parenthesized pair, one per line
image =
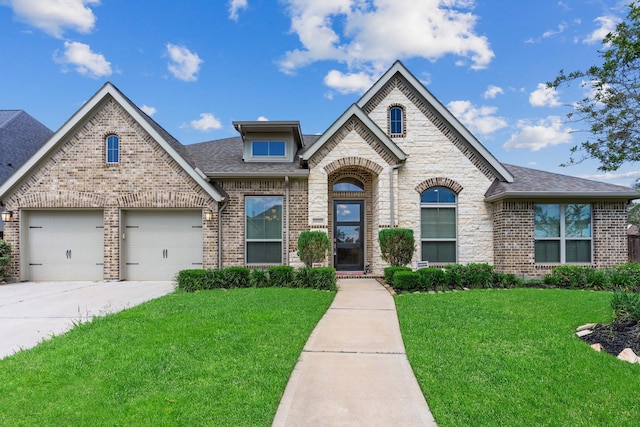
(544, 96)
(54, 16)
(607, 24)
(492, 91)
(551, 33)
(149, 111)
(480, 120)
(184, 64)
(348, 83)
(206, 122)
(263, 119)
(235, 6)
(611, 176)
(534, 137)
(376, 32)
(84, 60)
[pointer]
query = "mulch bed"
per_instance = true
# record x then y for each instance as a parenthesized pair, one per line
(616, 336)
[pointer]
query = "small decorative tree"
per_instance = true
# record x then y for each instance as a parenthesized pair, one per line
(5, 259)
(397, 245)
(313, 247)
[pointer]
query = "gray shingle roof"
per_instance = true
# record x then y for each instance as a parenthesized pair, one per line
(533, 183)
(223, 157)
(20, 136)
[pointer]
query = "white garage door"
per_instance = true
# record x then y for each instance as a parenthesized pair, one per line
(64, 245)
(158, 244)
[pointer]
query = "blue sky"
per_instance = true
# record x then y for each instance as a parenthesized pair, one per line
(196, 66)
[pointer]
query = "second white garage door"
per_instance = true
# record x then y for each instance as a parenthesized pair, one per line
(158, 244)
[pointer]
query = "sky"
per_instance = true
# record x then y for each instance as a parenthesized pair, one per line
(196, 66)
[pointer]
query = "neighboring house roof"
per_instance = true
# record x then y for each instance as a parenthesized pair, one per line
(223, 159)
(532, 183)
(168, 143)
(20, 136)
(470, 141)
(355, 111)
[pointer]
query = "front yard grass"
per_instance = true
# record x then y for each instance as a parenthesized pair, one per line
(218, 358)
(510, 358)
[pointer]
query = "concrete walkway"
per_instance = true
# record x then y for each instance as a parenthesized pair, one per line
(353, 370)
(33, 311)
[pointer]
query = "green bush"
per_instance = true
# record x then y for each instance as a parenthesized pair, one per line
(567, 276)
(432, 278)
(190, 280)
(258, 278)
(477, 276)
(214, 279)
(5, 259)
(406, 281)
(323, 278)
(389, 273)
(506, 280)
(454, 276)
(281, 276)
(397, 245)
(236, 277)
(301, 278)
(313, 247)
(626, 305)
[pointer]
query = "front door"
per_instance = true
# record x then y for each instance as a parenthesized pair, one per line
(348, 235)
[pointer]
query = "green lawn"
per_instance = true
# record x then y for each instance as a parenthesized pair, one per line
(219, 358)
(510, 358)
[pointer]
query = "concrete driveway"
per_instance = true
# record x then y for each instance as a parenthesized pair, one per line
(31, 312)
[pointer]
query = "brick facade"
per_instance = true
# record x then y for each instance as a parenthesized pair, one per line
(75, 175)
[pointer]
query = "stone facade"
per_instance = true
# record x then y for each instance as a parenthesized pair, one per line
(75, 175)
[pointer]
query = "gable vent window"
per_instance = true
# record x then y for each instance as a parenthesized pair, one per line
(396, 121)
(113, 149)
(268, 149)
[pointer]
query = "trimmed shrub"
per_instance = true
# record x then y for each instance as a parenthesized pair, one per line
(406, 281)
(301, 278)
(258, 278)
(5, 259)
(236, 277)
(323, 278)
(313, 247)
(454, 276)
(626, 305)
(567, 276)
(506, 280)
(389, 272)
(477, 276)
(281, 276)
(431, 278)
(397, 245)
(190, 280)
(213, 279)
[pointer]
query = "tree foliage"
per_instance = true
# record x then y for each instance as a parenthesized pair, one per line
(612, 107)
(313, 247)
(397, 245)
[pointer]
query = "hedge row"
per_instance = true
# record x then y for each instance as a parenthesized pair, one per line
(242, 277)
(453, 276)
(624, 277)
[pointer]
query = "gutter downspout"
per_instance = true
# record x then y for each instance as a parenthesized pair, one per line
(286, 221)
(221, 207)
(392, 206)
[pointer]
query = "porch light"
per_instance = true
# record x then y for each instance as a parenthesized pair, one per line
(208, 215)
(6, 216)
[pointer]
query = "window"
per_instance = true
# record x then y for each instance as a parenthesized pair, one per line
(263, 230)
(268, 149)
(438, 225)
(348, 184)
(113, 149)
(396, 121)
(562, 233)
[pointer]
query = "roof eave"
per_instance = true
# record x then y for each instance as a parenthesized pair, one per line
(587, 195)
(302, 173)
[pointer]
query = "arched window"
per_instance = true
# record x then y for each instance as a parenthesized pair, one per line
(348, 184)
(113, 149)
(438, 224)
(396, 120)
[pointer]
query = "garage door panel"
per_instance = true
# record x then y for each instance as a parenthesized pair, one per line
(65, 245)
(158, 244)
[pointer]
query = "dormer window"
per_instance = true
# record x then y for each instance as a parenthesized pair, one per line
(268, 149)
(113, 149)
(396, 121)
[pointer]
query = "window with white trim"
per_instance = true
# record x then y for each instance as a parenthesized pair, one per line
(562, 233)
(438, 225)
(396, 120)
(113, 149)
(263, 229)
